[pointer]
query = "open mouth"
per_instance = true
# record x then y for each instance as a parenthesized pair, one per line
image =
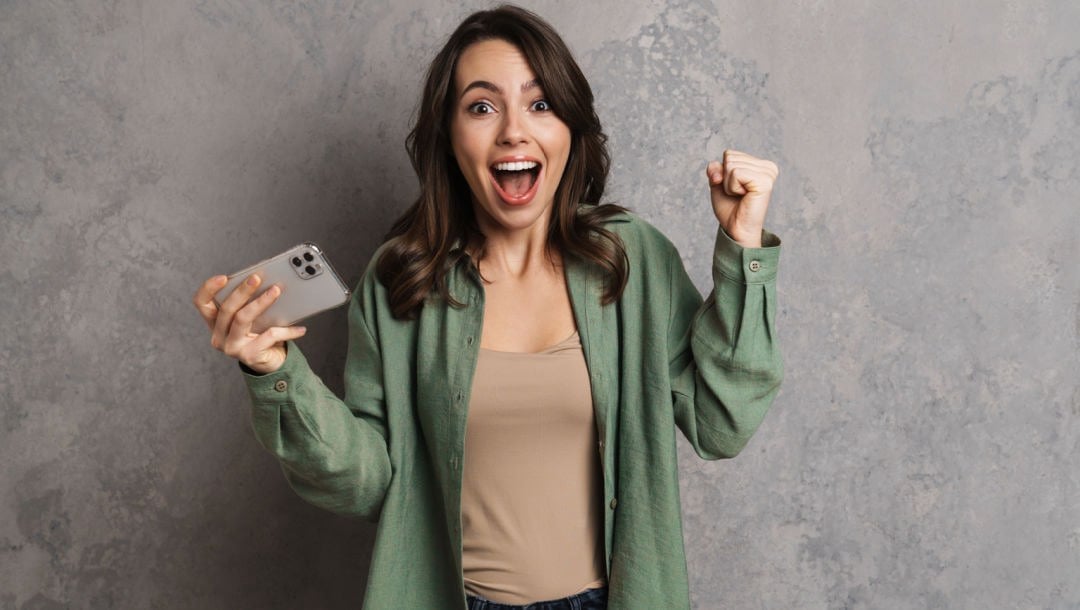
(516, 181)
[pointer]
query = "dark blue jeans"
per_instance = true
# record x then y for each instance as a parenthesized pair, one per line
(590, 599)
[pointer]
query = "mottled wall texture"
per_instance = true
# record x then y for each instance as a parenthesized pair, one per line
(923, 453)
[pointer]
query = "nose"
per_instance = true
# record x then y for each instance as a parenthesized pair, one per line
(513, 130)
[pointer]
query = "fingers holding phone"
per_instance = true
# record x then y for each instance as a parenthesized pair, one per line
(252, 326)
(230, 323)
(263, 352)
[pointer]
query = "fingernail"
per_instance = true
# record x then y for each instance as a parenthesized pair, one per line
(251, 281)
(221, 279)
(302, 329)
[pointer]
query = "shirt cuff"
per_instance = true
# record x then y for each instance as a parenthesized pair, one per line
(746, 265)
(275, 387)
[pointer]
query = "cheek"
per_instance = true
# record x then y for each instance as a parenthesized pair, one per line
(461, 158)
(464, 151)
(475, 174)
(561, 141)
(458, 144)
(560, 146)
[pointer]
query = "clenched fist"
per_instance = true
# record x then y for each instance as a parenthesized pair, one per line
(740, 186)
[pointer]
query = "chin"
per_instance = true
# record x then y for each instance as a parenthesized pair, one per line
(514, 217)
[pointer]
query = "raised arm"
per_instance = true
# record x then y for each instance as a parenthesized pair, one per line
(726, 366)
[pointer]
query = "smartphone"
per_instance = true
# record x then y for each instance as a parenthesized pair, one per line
(309, 285)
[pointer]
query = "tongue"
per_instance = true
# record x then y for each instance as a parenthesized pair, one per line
(515, 184)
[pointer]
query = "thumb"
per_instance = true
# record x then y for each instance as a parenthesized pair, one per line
(714, 171)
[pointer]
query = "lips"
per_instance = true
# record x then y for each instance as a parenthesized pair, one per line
(516, 180)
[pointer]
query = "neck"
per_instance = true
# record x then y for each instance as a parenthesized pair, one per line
(516, 253)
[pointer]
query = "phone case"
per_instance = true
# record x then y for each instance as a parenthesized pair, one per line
(309, 285)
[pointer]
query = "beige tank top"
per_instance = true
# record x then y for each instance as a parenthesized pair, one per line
(531, 489)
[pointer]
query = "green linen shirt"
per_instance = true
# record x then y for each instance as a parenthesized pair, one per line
(658, 358)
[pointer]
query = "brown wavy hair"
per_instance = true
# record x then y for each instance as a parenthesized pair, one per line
(424, 243)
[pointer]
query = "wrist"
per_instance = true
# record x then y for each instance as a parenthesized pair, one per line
(270, 365)
(745, 238)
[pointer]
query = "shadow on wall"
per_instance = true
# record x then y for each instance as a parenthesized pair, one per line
(145, 149)
(334, 173)
(147, 488)
(303, 556)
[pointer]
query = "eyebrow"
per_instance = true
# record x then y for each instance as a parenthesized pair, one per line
(492, 87)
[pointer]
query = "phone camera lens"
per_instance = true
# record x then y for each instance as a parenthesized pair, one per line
(310, 270)
(296, 261)
(308, 257)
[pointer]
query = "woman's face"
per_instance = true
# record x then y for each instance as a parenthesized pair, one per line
(510, 145)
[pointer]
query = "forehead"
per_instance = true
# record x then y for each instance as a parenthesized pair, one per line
(495, 61)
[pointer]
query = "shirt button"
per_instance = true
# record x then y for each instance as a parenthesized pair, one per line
(614, 503)
(281, 385)
(755, 265)
(468, 341)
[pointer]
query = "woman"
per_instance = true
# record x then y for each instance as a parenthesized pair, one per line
(519, 356)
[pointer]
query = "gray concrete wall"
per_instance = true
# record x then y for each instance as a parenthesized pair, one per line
(925, 449)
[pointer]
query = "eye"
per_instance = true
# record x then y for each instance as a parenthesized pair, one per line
(541, 106)
(481, 108)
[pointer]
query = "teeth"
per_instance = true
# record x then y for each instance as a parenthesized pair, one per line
(515, 166)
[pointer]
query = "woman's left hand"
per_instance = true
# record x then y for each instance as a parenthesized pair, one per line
(741, 186)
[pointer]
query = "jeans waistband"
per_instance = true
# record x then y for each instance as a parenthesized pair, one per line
(590, 599)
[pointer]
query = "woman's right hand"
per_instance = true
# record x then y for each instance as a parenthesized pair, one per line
(230, 325)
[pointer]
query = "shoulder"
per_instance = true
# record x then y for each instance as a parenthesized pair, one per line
(370, 295)
(639, 237)
(382, 279)
(370, 278)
